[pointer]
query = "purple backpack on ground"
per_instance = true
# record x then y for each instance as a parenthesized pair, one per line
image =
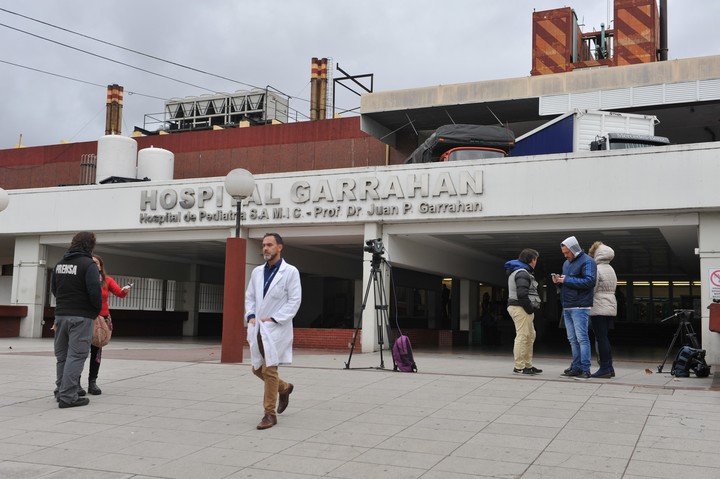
(403, 356)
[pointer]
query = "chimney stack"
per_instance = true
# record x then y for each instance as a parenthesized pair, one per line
(113, 112)
(318, 89)
(322, 94)
(314, 88)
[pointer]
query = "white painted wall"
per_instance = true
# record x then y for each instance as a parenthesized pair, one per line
(709, 259)
(29, 283)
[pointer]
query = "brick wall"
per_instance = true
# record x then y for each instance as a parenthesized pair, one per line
(301, 146)
(321, 338)
(420, 337)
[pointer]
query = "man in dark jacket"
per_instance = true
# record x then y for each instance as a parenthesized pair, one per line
(76, 285)
(576, 284)
(523, 300)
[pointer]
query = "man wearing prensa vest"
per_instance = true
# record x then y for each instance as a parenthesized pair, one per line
(75, 284)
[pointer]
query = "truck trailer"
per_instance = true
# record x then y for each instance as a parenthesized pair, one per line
(589, 130)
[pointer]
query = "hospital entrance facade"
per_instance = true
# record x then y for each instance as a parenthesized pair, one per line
(443, 225)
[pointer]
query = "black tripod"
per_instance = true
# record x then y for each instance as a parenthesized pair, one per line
(684, 331)
(381, 307)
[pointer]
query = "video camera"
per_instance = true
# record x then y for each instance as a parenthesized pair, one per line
(684, 314)
(374, 247)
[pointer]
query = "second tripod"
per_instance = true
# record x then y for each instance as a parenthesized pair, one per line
(684, 332)
(375, 281)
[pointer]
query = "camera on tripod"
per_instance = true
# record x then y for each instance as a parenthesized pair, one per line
(683, 314)
(374, 247)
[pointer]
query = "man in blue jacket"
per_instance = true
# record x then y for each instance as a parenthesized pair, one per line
(577, 283)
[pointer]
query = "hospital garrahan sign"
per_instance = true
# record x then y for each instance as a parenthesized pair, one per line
(322, 198)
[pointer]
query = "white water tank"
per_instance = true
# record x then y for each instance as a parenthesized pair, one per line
(156, 164)
(116, 156)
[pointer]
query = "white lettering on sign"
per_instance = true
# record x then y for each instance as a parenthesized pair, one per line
(66, 269)
(330, 197)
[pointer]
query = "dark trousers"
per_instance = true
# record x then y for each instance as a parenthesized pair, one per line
(95, 357)
(600, 326)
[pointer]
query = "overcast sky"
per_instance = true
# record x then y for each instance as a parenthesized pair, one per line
(405, 43)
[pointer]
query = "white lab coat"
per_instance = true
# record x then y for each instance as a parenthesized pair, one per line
(281, 303)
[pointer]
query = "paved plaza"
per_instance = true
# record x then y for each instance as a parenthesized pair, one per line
(169, 409)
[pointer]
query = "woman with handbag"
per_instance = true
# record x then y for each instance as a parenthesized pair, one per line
(108, 285)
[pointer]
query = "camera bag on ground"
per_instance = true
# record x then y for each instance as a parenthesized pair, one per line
(690, 359)
(403, 356)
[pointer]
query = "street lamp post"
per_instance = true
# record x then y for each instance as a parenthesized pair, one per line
(239, 184)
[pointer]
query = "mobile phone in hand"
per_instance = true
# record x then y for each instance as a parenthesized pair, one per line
(128, 286)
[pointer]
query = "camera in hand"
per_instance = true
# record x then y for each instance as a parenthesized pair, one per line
(374, 247)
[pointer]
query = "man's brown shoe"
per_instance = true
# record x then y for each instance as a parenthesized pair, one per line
(267, 422)
(284, 399)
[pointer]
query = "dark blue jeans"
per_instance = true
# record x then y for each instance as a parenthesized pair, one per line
(600, 326)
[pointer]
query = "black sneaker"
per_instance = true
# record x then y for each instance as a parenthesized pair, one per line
(78, 402)
(528, 371)
(518, 371)
(565, 373)
(571, 373)
(582, 375)
(534, 370)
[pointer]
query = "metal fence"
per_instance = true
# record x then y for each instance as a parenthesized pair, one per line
(149, 294)
(210, 298)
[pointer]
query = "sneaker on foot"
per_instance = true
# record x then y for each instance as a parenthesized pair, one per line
(518, 371)
(582, 375)
(534, 370)
(571, 373)
(528, 371)
(565, 373)
(601, 374)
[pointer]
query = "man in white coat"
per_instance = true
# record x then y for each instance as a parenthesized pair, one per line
(271, 301)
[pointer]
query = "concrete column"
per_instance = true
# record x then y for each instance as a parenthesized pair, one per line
(463, 303)
(253, 256)
(455, 305)
(29, 283)
(468, 305)
(369, 320)
(709, 246)
(433, 300)
(191, 302)
(233, 323)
